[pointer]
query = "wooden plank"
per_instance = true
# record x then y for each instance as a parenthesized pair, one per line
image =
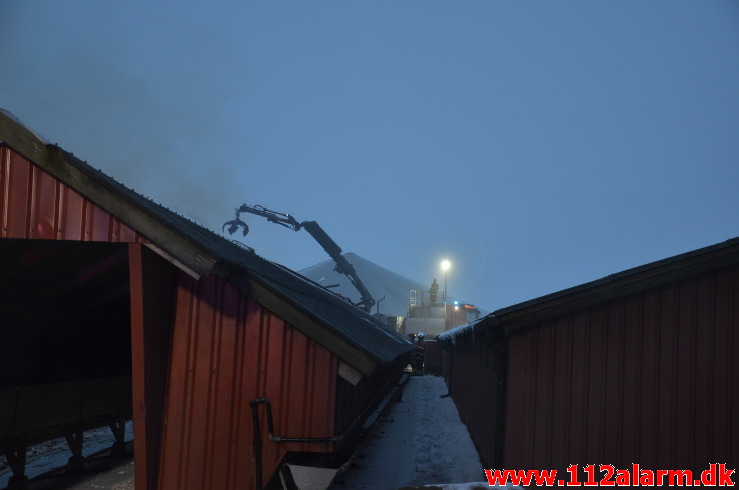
(8, 402)
(49, 405)
(152, 284)
(106, 396)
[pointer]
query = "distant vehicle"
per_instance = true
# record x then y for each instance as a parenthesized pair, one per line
(342, 265)
(434, 318)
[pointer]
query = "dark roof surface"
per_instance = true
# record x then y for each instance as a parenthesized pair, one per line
(212, 253)
(346, 320)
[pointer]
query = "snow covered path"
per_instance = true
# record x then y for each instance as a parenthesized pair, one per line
(420, 442)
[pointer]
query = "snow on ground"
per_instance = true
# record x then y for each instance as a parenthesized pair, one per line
(420, 442)
(54, 454)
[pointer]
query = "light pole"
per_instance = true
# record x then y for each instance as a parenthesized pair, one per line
(445, 265)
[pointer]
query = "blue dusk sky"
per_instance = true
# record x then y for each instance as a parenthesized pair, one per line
(537, 145)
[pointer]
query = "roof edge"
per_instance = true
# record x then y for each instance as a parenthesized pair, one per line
(66, 168)
(619, 284)
(302, 322)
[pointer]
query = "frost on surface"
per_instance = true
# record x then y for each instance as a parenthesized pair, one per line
(54, 454)
(451, 335)
(12, 116)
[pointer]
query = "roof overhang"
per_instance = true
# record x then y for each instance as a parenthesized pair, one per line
(306, 324)
(169, 243)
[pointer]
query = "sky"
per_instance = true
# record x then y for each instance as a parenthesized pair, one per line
(536, 145)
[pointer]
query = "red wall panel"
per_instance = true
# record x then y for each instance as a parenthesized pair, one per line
(34, 204)
(226, 352)
(648, 379)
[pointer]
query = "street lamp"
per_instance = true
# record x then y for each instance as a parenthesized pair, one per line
(445, 265)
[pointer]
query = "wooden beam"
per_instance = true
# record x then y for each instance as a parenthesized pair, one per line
(152, 292)
(66, 168)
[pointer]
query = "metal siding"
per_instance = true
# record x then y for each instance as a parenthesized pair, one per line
(630, 450)
(34, 204)
(575, 438)
(733, 363)
(648, 379)
(474, 390)
(562, 370)
(686, 373)
(544, 393)
(226, 352)
(704, 426)
(355, 402)
(596, 380)
(519, 394)
(472, 366)
(648, 373)
(725, 345)
(432, 360)
(614, 385)
(446, 365)
(666, 386)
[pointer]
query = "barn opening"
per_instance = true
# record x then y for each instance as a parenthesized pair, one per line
(66, 343)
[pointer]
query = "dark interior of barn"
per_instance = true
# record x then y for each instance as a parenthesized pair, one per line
(65, 345)
(66, 311)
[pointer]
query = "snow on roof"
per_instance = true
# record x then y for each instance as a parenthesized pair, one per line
(12, 116)
(451, 335)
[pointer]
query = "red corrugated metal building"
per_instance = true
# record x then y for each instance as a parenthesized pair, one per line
(100, 285)
(638, 367)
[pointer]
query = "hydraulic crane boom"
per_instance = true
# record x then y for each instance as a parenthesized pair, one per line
(332, 249)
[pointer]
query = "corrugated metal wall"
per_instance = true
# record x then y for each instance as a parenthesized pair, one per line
(432, 360)
(474, 390)
(651, 379)
(201, 352)
(472, 367)
(355, 402)
(34, 204)
(226, 351)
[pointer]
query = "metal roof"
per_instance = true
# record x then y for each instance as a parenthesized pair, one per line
(352, 334)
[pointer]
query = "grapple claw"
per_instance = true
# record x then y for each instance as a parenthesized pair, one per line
(235, 225)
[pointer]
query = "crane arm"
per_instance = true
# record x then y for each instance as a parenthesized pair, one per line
(343, 266)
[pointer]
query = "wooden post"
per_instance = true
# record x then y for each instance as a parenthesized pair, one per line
(152, 283)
